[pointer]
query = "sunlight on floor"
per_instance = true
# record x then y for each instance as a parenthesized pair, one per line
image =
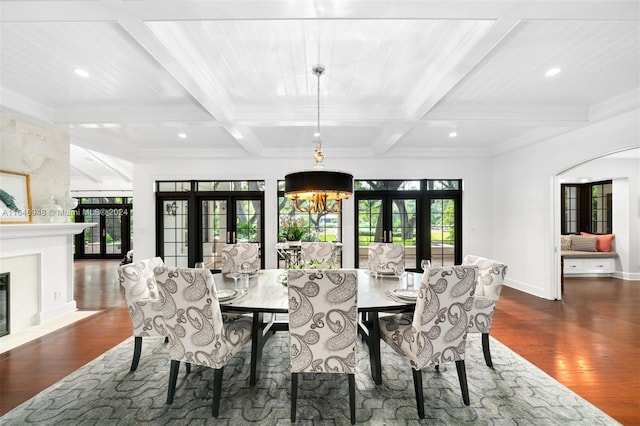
(14, 340)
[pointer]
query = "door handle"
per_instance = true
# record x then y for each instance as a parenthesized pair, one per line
(234, 238)
(104, 232)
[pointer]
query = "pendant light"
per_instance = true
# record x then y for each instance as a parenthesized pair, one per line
(312, 190)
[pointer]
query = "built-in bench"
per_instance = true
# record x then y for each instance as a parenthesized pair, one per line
(587, 263)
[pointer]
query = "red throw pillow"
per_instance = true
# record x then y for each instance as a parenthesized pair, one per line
(603, 242)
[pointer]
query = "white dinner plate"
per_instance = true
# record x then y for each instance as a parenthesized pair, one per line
(406, 294)
(250, 273)
(225, 294)
(386, 272)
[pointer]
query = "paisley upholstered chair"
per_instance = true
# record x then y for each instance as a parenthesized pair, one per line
(144, 299)
(323, 326)
(240, 254)
(198, 332)
(436, 332)
(385, 256)
(320, 251)
(488, 287)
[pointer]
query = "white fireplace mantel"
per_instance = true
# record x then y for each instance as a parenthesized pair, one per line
(39, 257)
(38, 230)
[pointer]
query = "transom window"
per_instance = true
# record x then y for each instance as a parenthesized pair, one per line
(587, 207)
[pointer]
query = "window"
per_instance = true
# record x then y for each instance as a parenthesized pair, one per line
(112, 238)
(317, 226)
(587, 207)
(424, 216)
(196, 219)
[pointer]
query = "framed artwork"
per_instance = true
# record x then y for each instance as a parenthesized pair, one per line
(15, 197)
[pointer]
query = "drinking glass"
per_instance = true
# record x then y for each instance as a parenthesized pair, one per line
(373, 268)
(410, 281)
(425, 264)
(235, 274)
(244, 283)
(199, 265)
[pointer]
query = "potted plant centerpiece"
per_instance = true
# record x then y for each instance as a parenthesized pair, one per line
(293, 229)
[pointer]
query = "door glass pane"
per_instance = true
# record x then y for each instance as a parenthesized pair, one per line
(370, 227)
(92, 234)
(403, 223)
(113, 234)
(175, 232)
(214, 231)
(442, 219)
(248, 221)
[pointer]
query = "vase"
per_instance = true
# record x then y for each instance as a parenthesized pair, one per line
(52, 210)
(295, 243)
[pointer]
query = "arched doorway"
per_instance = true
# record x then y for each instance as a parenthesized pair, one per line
(622, 167)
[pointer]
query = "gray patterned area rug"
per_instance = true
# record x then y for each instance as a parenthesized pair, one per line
(104, 392)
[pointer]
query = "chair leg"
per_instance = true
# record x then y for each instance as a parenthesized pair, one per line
(137, 350)
(217, 391)
(188, 367)
(173, 378)
(294, 395)
(352, 398)
(462, 378)
(485, 349)
(417, 385)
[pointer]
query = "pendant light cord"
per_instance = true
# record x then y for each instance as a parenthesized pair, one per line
(318, 74)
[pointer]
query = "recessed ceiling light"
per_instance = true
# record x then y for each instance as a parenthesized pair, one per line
(552, 71)
(182, 135)
(81, 72)
(453, 134)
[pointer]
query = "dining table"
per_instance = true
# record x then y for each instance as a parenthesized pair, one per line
(267, 296)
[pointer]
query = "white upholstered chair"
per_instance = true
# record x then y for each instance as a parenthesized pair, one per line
(198, 332)
(488, 286)
(144, 300)
(385, 255)
(240, 254)
(435, 333)
(323, 326)
(320, 251)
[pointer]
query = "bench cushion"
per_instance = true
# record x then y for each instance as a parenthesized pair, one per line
(574, 254)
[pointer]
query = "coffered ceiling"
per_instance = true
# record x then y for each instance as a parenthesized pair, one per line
(234, 77)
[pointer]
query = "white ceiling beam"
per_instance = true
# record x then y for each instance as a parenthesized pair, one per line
(15, 101)
(245, 138)
(526, 113)
(152, 114)
(88, 176)
(162, 10)
(388, 137)
(143, 36)
(105, 162)
(200, 89)
(434, 91)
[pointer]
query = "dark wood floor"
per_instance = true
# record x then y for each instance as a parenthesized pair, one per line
(588, 341)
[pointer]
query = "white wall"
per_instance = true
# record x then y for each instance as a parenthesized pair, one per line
(40, 150)
(477, 224)
(524, 193)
